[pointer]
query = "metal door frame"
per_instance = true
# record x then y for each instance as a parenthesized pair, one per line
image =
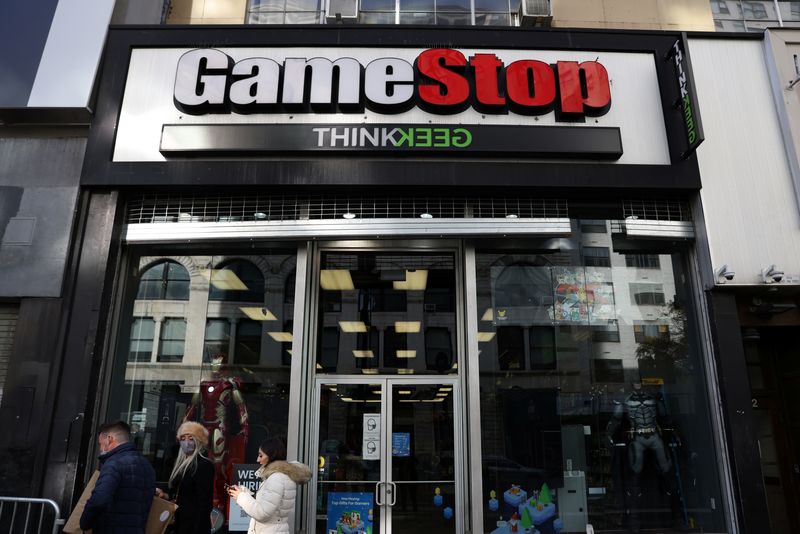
(386, 383)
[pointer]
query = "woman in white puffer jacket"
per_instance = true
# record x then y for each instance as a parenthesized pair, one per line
(272, 509)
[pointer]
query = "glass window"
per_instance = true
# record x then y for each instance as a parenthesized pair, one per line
(172, 339)
(166, 280)
(231, 303)
(593, 226)
(754, 10)
(142, 332)
(647, 294)
(719, 7)
(387, 312)
(378, 5)
(643, 261)
(589, 414)
(216, 344)
(596, 257)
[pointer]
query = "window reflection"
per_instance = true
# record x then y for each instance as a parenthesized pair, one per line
(387, 312)
(592, 404)
(205, 338)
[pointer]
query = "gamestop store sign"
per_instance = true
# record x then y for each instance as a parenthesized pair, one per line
(445, 102)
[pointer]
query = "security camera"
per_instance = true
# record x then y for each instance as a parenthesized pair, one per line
(724, 274)
(771, 275)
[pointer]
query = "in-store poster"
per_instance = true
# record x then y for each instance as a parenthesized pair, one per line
(243, 475)
(349, 513)
(401, 444)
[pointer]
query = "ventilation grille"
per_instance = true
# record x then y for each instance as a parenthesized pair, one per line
(656, 210)
(162, 208)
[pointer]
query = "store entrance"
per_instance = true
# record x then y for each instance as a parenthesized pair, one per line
(388, 453)
(773, 361)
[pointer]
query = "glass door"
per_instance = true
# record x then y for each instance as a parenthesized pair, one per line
(388, 456)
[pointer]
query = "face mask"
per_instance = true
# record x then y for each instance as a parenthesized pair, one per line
(188, 446)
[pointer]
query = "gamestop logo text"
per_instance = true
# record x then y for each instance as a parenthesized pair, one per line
(441, 80)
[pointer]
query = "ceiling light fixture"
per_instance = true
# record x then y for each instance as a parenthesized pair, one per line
(416, 280)
(426, 215)
(406, 327)
(363, 354)
(349, 215)
(352, 326)
(258, 314)
(336, 280)
(485, 336)
(512, 216)
(282, 337)
(406, 354)
(259, 215)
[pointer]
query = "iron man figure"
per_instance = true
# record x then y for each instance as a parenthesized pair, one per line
(215, 402)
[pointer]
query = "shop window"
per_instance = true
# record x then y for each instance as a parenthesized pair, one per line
(167, 280)
(647, 294)
(172, 340)
(216, 343)
(142, 333)
(237, 281)
(383, 304)
(593, 226)
(644, 332)
(564, 439)
(606, 332)
(248, 343)
(596, 257)
(643, 261)
(244, 395)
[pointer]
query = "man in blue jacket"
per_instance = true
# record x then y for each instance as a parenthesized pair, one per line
(124, 491)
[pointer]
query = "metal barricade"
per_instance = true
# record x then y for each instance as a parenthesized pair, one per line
(28, 515)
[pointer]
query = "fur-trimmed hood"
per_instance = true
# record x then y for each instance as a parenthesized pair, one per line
(299, 472)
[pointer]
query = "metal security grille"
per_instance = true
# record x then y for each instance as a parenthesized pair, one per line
(656, 210)
(167, 208)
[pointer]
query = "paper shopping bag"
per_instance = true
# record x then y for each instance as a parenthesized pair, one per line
(73, 523)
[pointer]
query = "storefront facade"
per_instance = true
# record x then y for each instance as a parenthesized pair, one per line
(455, 269)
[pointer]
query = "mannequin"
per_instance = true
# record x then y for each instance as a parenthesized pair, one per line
(643, 411)
(212, 406)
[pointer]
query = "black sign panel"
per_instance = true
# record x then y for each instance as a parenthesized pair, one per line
(687, 101)
(441, 140)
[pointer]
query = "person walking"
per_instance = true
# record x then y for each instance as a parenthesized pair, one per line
(191, 484)
(121, 499)
(271, 511)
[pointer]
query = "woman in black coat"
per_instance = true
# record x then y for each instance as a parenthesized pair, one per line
(191, 484)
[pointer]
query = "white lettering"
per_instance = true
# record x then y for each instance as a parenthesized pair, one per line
(294, 80)
(193, 86)
(389, 81)
(262, 85)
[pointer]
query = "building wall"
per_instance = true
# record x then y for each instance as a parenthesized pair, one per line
(750, 207)
(684, 15)
(207, 12)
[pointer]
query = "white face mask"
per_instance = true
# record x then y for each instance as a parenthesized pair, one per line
(188, 446)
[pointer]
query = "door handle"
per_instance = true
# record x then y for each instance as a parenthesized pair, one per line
(392, 491)
(377, 493)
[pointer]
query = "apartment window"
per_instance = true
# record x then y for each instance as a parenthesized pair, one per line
(593, 226)
(642, 261)
(606, 332)
(172, 340)
(754, 10)
(608, 370)
(216, 341)
(645, 332)
(248, 343)
(168, 280)
(647, 294)
(794, 10)
(596, 257)
(142, 332)
(720, 7)
(284, 12)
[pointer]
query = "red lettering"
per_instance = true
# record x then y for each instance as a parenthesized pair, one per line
(487, 91)
(584, 87)
(450, 89)
(531, 84)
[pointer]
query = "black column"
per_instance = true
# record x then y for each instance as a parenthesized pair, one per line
(750, 500)
(88, 286)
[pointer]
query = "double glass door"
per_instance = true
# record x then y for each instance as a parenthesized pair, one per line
(388, 456)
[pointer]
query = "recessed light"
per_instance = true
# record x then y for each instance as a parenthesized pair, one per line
(485, 336)
(352, 326)
(416, 280)
(426, 215)
(406, 327)
(363, 354)
(406, 354)
(283, 337)
(349, 215)
(258, 314)
(336, 280)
